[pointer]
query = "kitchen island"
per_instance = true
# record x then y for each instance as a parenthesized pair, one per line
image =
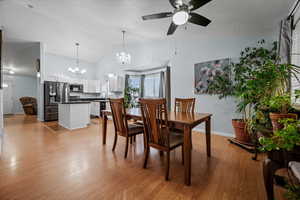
(74, 115)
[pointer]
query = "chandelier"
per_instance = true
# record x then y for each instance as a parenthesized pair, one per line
(77, 70)
(123, 57)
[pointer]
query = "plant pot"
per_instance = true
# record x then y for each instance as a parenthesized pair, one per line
(275, 117)
(240, 130)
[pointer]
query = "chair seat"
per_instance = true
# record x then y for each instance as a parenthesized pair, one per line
(135, 129)
(28, 105)
(175, 139)
(139, 123)
(176, 130)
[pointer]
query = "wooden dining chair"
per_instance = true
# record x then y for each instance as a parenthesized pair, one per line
(156, 129)
(184, 105)
(122, 128)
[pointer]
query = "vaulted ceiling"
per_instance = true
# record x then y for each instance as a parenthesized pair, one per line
(97, 24)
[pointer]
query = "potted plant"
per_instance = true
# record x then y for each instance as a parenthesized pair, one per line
(280, 106)
(256, 78)
(252, 77)
(293, 192)
(287, 138)
(283, 146)
(130, 97)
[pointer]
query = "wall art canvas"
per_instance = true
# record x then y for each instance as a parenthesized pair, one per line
(207, 72)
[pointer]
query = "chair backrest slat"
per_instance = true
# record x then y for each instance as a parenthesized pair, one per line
(119, 116)
(155, 118)
(185, 105)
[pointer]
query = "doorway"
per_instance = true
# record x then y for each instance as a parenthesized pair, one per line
(8, 100)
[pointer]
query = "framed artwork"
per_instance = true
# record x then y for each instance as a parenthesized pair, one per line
(207, 72)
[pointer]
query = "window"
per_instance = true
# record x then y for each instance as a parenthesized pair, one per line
(296, 56)
(151, 86)
(147, 84)
(134, 82)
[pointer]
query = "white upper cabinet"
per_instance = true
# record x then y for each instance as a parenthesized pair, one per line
(116, 84)
(89, 86)
(85, 86)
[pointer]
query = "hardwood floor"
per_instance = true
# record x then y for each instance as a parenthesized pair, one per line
(45, 161)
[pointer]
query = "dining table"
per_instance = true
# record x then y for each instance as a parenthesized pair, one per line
(185, 121)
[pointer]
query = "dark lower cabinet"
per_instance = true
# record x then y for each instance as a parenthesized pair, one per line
(51, 113)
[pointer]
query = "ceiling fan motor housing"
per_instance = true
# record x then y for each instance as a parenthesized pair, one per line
(181, 15)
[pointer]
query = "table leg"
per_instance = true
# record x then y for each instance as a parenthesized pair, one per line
(208, 134)
(104, 128)
(187, 154)
(269, 169)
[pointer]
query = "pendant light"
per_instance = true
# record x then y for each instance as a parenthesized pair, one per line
(123, 57)
(77, 70)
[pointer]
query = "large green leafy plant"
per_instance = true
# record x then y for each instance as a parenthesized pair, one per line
(257, 77)
(253, 78)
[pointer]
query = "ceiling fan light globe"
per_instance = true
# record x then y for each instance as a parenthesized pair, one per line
(181, 17)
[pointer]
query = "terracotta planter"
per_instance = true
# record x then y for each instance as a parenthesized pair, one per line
(275, 117)
(241, 133)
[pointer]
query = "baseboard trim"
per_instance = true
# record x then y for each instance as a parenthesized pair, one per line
(214, 132)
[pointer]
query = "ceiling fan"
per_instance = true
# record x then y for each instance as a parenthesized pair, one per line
(182, 14)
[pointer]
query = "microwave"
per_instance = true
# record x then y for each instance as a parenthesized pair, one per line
(76, 88)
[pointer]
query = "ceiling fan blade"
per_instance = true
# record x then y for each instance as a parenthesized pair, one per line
(157, 16)
(199, 19)
(172, 29)
(198, 3)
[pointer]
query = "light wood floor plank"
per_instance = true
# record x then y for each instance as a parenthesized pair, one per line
(45, 161)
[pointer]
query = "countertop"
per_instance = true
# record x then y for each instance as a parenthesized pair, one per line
(76, 102)
(91, 99)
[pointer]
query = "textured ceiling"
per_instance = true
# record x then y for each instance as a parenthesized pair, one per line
(97, 24)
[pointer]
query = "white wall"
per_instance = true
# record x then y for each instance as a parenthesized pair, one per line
(22, 86)
(189, 52)
(58, 65)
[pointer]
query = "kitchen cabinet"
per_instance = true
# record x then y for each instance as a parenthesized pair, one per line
(74, 115)
(116, 84)
(85, 86)
(91, 86)
(95, 109)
